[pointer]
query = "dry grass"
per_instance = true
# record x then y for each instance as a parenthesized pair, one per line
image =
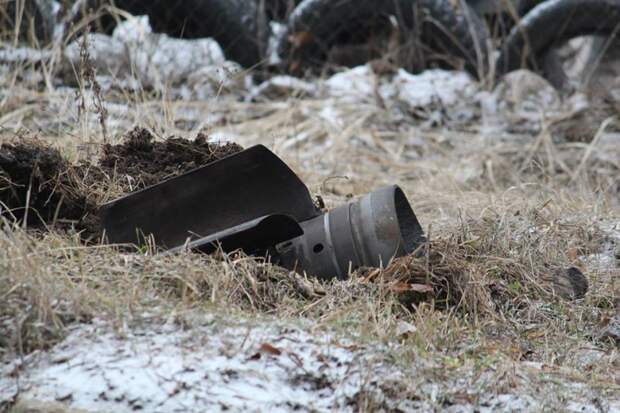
(507, 214)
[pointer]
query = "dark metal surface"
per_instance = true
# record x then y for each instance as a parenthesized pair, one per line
(255, 237)
(252, 201)
(368, 232)
(227, 193)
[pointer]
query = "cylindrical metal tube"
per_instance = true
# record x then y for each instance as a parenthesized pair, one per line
(368, 232)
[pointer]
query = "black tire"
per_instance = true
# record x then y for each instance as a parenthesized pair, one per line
(448, 27)
(553, 23)
(525, 6)
(37, 15)
(233, 23)
(278, 10)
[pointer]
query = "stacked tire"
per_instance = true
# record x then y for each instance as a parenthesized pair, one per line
(445, 26)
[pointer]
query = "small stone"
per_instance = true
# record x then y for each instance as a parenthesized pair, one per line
(570, 283)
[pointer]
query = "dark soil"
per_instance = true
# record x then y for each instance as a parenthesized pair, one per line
(144, 162)
(40, 189)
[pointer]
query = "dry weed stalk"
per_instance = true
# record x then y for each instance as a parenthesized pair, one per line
(87, 76)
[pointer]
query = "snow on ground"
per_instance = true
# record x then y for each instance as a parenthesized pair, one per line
(136, 57)
(609, 256)
(352, 85)
(135, 53)
(429, 88)
(242, 366)
(248, 365)
(214, 363)
(444, 87)
(282, 86)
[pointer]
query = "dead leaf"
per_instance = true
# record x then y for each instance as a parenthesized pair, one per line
(401, 287)
(572, 254)
(371, 276)
(421, 288)
(269, 349)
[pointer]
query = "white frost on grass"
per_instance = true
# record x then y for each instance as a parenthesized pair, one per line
(257, 367)
(217, 364)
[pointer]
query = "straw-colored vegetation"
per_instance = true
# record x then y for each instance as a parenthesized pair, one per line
(516, 211)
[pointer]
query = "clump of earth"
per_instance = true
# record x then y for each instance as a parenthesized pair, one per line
(41, 190)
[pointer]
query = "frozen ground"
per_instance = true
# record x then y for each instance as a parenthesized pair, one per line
(222, 364)
(217, 365)
(540, 167)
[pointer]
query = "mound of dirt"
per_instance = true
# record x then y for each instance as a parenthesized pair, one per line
(40, 189)
(145, 162)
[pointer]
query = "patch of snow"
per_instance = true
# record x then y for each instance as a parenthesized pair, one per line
(427, 94)
(526, 95)
(211, 368)
(136, 29)
(110, 82)
(213, 80)
(282, 86)
(331, 115)
(211, 363)
(158, 61)
(352, 85)
(22, 55)
(107, 54)
(446, 88)
(165, 61)
(56, 8)
(222, 137)
(491, 124)
(508, 403)
(608, 257)
(589, 357)
(576, 407)
(277, 31)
